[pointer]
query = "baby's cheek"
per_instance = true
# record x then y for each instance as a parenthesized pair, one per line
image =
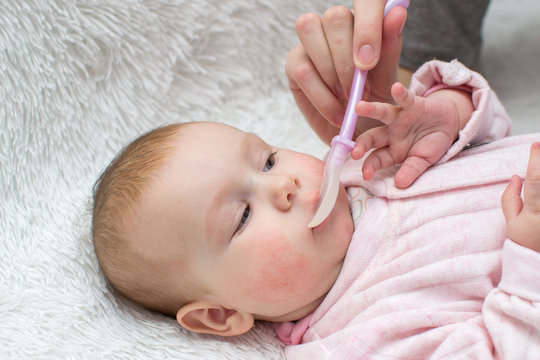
(280, 271)
(314, 167)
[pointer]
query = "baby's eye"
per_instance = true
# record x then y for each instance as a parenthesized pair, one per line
(244, 219)
(270, 162)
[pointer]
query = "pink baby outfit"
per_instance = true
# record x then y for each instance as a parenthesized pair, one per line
(429, 272)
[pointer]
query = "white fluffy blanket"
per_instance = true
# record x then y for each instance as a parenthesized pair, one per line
(78, 80)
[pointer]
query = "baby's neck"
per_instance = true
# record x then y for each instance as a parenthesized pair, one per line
(295, 314)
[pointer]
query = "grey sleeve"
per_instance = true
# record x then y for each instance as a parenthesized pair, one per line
(443, 30)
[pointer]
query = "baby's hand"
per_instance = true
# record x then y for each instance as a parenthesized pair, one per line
(417, 133)
(523, 216)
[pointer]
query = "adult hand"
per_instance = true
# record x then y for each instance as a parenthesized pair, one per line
(320, 67)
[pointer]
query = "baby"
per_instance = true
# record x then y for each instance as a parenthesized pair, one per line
(208, 224)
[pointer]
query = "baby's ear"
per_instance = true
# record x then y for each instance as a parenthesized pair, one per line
(210, 318)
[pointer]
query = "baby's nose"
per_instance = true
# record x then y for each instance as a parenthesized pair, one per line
(284, 188)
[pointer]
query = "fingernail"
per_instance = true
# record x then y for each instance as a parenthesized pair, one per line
(365, 55)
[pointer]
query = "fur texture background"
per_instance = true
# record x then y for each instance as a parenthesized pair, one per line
(80, 79)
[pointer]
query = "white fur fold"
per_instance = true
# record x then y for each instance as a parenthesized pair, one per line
(80, 79)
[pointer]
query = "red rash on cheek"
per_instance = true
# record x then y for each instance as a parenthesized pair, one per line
(281, 272)
(311, 167)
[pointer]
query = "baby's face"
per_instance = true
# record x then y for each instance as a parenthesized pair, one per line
(232, 212)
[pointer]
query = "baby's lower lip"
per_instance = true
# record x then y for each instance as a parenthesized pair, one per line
(323, 223)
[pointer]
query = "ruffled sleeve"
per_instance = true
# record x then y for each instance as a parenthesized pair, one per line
(489, 120)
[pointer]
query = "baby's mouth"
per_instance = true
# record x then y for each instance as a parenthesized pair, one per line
(322, 225)
(313, 200)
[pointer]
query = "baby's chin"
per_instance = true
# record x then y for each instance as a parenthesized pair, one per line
(338, 227)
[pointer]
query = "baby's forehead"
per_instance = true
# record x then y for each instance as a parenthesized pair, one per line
(209, 142)
(207, 128)
(204, 153)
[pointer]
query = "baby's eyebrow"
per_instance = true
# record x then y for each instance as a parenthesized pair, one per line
(250, 143)
(253, 148)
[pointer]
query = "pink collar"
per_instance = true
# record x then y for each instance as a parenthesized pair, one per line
(291, 332)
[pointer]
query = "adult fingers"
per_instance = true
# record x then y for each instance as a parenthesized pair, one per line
(318, 123)
(391, 42)
(368, 20)
(313, 38)
(304, 78)
(338, 24)
(382, 76)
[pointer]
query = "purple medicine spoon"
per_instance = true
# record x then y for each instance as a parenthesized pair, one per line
(342, 144)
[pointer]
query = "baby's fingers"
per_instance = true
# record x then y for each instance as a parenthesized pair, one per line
(378, 159)
(372, 138)
(412, 168)
(385, 113)
(511, 203)
(531, 188)
(403, 97)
